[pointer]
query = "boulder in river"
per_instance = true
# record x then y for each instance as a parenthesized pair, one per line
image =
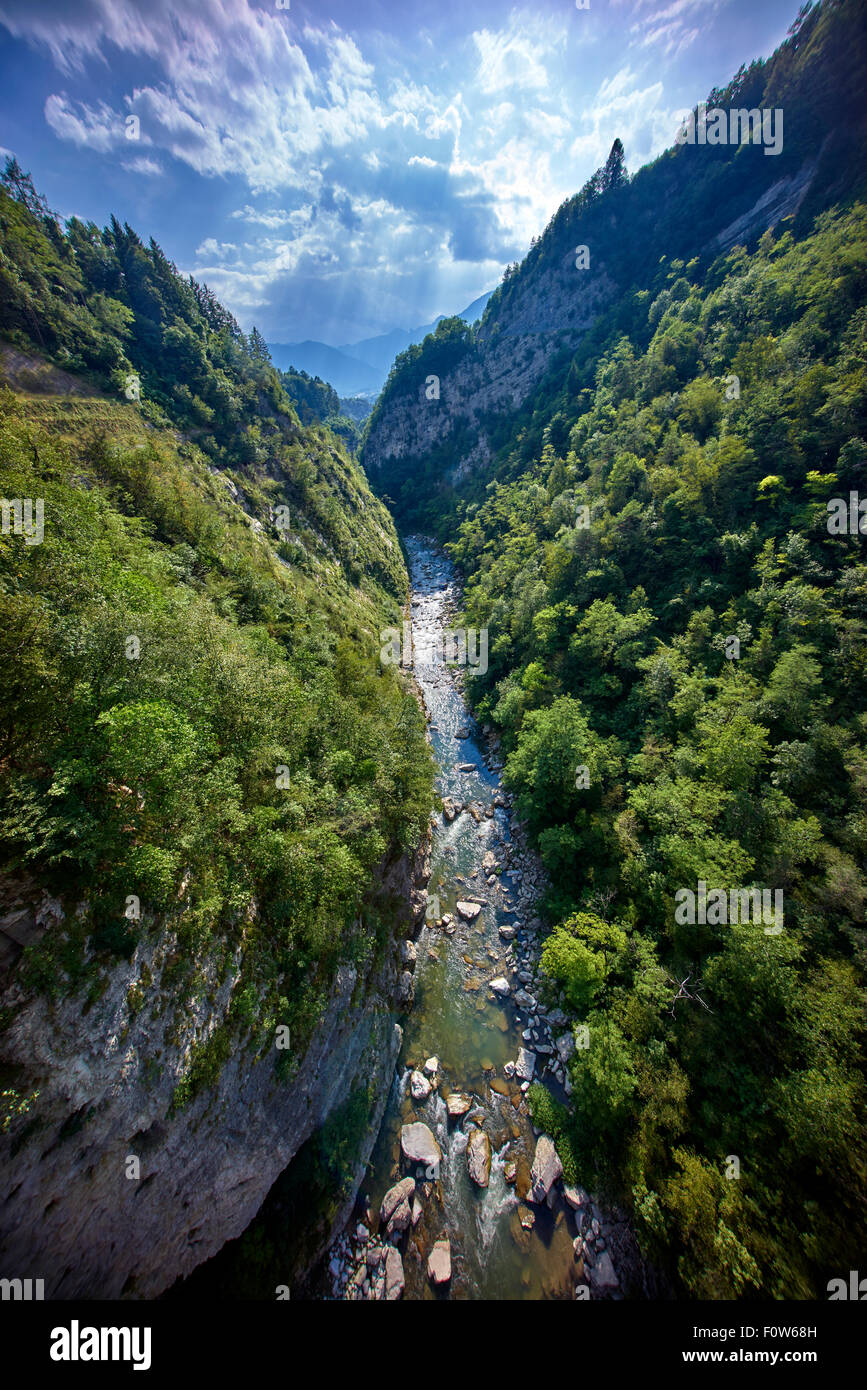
(394, 1280)
(432, 1066)
(546, 1168)
(458, 1104)
(576, 1197)
(479, 1157)
(602, 1274)
(525, 1065)
(401, 1192)
(419, 1086)
(418, 1145)
(439, 1263)
(400, 1218)
(501, 986)
(450, 810)
(469, 911)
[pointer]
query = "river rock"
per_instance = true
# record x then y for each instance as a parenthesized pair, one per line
(408, 954)
(432, 1066)
(401, 1192)
(400, 1219)
(419, 1086)
(469, 911)
(439, 1263)
(525, 1065)
(602, 1274)
(394, 1280)
(546, 1168)
(418, 1145)
(501, 986)
(507, 932)
(458, 1104)
(576, 1197)
(479, 1157)
(450, 810)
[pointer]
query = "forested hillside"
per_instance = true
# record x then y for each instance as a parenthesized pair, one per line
(677, 666)
(315, 400)
(194, 712)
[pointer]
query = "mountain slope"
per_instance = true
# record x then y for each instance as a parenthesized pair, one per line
(347, 374)
(693, 201)
(356, 368)
(211, 792)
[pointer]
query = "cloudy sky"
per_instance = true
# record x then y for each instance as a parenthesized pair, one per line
(336, 170)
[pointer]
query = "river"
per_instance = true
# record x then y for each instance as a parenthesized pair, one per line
(501, 1247)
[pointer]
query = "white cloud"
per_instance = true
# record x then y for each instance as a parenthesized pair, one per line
(99, 128)
(142, 165)
(514, 57)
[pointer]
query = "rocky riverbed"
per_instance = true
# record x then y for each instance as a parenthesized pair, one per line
(464, 1197)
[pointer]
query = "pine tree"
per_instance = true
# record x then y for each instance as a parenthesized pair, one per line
(614, 173)
(257, 347)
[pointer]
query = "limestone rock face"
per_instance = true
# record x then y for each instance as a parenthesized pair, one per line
(545, 312)
(106, 1079)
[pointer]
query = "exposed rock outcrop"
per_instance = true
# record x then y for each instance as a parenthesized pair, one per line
(106, 1071)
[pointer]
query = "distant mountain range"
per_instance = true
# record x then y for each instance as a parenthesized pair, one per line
(360, 369)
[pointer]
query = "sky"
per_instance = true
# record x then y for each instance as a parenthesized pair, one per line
(337, 170)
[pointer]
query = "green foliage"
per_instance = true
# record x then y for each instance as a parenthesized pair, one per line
(165, 659)
(698, 651)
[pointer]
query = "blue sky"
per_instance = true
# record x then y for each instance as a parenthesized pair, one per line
(335, 170)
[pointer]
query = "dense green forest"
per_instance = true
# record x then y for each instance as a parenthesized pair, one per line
(193, 714)
(677, 672)
(317, 401)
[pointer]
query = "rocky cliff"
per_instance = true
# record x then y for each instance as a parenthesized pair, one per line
(459, 399)
(80, 1213)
